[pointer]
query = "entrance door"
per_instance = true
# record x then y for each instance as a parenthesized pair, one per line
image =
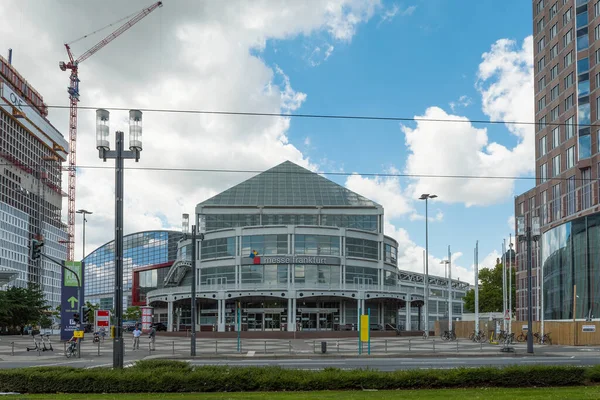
(326, 322)
(272, 322)
(309, 321)
(255, 322)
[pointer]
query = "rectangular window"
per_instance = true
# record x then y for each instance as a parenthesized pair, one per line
(542, 123)
(553, 10)
(554, 93)
(539, 7)
(569, 128)
(540, 25)
(556, 201)
(554, 72)
(567, 38)
(586, 181)
(567, 16)
(598, 55)
(583, 87)
(542, 146)
(541, 64)
(317, 245)
(544, 207)
(362, 248)
(569, 80)
(583, 114)
(597, 109)
(542, 103)
(568, 59)
(553, 31)
(554, 113)
(542, 44)
(597, 9)
(569, 102)
(554, 51)
(583, 41)
(571, 157)
(585, 146)
(555, 137)
(556, 166)
(544, 172)
(597, 32)
(581, 20)
(583, 65)
(571, 195)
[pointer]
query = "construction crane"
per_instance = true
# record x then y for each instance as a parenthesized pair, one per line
(73, 65)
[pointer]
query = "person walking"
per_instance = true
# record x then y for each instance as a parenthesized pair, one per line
(152, 336)
(136, 338)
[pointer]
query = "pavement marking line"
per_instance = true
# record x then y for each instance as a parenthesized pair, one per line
(251, 353)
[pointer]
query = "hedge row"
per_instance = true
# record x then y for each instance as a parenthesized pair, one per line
(170, 376)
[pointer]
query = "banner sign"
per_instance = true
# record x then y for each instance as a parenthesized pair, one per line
(102, 319)
(146, 318)
(69, 298)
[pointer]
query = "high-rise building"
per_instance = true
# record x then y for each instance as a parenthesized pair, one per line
(567, 156)
(31, 153)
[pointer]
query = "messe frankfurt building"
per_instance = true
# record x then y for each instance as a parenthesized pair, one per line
(296, 252)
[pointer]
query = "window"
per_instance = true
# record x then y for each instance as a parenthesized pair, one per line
(362, 248)
(317, 245)
(598, 55)
(585, 146)
(542, 44)
(586, 177)
(569, 80)
(540, 25)
(544, 172)
(567, 38)
(542, 103)
(544, 207)
(583, 65)
(571, 157)
(569, 128)
(556, 166)
(598, 80)
(390, 254)
(597, 9)
(214, 248)
(581, 20)
(597, 32)
(542, 146)
(542, 123)
(540, 6)
(568, 59)
(583, 87)
(583, 114)
(264, 244)
(567, 16)
(553, 10)
(554, 51)
(553, 31)
(555, 137)
(583, 41)
(554, 113)
(554, 72)
(554, 93)
(597, 109)
(570, 195)
(569, 102)
(541, 64)
(556, 201)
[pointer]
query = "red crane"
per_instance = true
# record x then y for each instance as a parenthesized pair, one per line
(73, 65)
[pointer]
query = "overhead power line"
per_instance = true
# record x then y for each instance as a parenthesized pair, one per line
(367, 174)
(320, 116)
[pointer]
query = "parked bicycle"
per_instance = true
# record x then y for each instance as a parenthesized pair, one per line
(449, 335)
(522, 337)
(477, 337)
(545, 339)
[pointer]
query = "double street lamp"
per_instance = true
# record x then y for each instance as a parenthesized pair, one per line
(426, 197)
(84, 212)
(119, 155)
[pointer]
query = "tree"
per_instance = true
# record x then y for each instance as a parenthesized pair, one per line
(490, 291)
(133, 314)
(22, 306)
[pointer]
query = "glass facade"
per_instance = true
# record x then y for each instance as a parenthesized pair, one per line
(217, 275)
(215, 248)
(265, 275)
(264, 244)
(318, 275)
(317, 245)
(362, 275)
(571, 259)
(140, 250)
(362, 248)
(390, 254)
(363, 222)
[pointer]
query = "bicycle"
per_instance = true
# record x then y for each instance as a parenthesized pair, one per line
(546, 339)
(449, 335)
(71, 348)
(522, 337)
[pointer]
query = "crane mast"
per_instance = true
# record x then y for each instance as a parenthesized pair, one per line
(73, 90)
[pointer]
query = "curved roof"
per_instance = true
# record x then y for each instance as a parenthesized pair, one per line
(288, 185)
(110, 245)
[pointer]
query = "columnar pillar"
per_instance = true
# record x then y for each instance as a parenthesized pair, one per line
(291, 326)
(408, 310)
(169, 316)
(221, 317)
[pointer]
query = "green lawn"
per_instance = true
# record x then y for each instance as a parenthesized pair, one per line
(571, 393)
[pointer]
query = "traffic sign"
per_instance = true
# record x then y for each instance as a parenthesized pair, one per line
(78, 334)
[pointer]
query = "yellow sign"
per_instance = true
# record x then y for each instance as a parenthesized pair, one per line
(364, 328)
(78, 334)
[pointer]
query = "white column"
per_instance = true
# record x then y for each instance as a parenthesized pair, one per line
(407, 316)
(169, 316)
(291, 326)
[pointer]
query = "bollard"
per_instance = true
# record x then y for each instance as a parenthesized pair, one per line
(98, 348)
(13, 348)
(386, 345)
(408, 344)
(265, 347)
(434, 345)
(216, 347)
(173, 347)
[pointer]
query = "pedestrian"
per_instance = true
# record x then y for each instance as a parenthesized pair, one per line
(136, 338)
(152, 337)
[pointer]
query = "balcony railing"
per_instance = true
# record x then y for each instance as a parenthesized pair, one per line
(573, 202)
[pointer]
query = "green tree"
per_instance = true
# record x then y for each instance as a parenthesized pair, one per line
(133, 314)
(490, 291)
(22, 306)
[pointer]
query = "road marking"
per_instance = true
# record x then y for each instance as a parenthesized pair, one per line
(251, 353)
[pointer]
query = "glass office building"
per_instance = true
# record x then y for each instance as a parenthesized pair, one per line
(145, 255)
(296, 251)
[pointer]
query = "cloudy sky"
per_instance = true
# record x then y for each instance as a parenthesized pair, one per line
(434, 59)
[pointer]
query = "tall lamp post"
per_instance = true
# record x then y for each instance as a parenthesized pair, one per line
(194, 236)
(527, 234)
(119, 155)
(84, 212)
(448, 262)
(426, 197)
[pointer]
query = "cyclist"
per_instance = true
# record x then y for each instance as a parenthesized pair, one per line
(71, 346)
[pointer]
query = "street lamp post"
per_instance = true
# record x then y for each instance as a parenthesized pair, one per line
(528, 234)
(84, 212)
(119, 155)
(426, 197)
(448, 262)
(194, 236)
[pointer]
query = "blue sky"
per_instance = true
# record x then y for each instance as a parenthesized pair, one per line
(390, 58)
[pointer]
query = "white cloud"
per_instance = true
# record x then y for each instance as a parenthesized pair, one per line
(183, 57)
(463, 101)
(505, 81)
(511, 223)
(319, 56)
(389, 14)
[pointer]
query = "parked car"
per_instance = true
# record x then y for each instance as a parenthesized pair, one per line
(159, 326)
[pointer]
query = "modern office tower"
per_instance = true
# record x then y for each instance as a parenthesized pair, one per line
(31, 153)
(565, 196)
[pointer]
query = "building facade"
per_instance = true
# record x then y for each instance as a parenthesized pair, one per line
(147, 257)
(31, 153)
(295, 251)
(565, 198)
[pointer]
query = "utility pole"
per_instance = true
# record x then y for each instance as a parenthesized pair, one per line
(527, 234)
(477, 286)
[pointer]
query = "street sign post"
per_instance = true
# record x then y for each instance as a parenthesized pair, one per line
(102, 320)
(72, 294)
